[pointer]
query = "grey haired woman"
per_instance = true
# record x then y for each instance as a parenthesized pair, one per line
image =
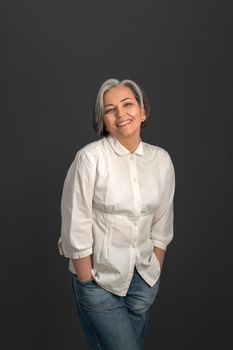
(117, 220)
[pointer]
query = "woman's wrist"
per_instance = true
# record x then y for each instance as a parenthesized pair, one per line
(160, 253)
(83, 267)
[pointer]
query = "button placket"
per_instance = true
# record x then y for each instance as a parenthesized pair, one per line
(136, 192)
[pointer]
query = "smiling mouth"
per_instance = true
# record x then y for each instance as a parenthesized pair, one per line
(123, 123)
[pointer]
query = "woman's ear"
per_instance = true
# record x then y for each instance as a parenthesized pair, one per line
(143, 115)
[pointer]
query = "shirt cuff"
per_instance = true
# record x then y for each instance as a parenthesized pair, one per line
(82, 254)
(159, 244)
(76, 255)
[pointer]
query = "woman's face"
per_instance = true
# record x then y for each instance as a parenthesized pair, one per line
(122, 113)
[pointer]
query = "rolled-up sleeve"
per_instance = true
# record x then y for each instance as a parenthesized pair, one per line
(162, 224)
(76, 238)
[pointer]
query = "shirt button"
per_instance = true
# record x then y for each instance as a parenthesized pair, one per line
(135, 224)
(134, 179)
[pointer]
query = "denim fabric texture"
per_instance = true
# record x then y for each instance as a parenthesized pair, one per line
(113, 322)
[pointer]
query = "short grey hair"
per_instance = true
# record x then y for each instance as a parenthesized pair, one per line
(98, 104)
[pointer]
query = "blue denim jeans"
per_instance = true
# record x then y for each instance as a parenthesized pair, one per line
(112, 322)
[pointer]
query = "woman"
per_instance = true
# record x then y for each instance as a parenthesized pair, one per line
(117, 220)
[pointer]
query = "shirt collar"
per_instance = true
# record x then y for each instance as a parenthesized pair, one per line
(120, 149)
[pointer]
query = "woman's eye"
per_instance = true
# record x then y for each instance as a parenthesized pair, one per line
(109, 110)
(128, 104)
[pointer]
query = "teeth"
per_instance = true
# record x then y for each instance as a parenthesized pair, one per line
(124, 123)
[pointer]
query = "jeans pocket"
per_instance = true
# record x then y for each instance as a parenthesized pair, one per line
(85, 283)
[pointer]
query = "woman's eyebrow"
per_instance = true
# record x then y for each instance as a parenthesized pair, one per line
(108, 105)
(126, 98)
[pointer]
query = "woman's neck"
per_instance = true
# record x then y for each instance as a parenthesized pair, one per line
(130, 143)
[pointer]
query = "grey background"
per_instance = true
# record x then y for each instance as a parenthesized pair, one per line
(55, 54)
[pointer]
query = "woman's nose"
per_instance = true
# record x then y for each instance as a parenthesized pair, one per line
(120, 112)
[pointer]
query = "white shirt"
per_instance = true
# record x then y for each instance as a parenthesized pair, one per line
(118, 206)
